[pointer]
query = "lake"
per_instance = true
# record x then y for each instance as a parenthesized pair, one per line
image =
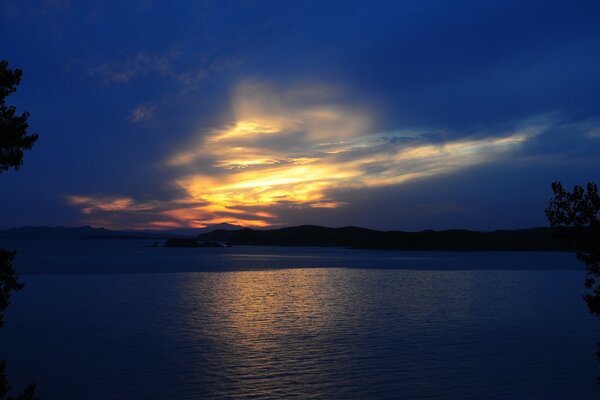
(121, 320)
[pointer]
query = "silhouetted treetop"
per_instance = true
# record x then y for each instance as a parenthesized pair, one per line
(13, 127)
(8, 281)
(574, 215)
(13, 141)
(5, 388)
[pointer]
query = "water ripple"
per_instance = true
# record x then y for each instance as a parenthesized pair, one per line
(304, 333)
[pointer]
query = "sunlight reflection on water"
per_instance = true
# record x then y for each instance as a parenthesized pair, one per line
(306, 333)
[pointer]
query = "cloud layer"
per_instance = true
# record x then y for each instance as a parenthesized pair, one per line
(394, 115)
(294, 148)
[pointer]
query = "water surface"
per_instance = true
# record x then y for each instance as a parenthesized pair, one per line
(288, 331)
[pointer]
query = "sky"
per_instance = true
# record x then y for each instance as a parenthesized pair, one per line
(395, 115)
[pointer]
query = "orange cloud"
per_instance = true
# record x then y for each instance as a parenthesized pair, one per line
(295, 148)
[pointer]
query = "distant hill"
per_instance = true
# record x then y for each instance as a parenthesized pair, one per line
(88, 232)
(82, 232)
(534, 239)
(191, 232)
(305, 235)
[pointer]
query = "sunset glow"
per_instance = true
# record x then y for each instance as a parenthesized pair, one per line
(293, 149)
(299, 199)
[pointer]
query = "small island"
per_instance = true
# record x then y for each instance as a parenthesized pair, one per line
(190, 242)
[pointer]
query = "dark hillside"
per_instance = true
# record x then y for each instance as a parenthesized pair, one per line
(535, 239)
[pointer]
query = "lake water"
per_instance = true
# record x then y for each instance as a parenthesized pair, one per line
(120, 320)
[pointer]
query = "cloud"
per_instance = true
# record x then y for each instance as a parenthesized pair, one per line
(592, 128)
(299, 148)
(141, 64)
(42, 8)
(125, 212)
(143, 112)
(187, 73)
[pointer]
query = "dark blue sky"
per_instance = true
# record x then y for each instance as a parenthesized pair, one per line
(394, 115)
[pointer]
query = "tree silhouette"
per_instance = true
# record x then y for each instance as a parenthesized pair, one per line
(13, 128)
(13, 141)
(574, 216)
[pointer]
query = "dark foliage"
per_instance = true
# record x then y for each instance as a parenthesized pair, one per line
(574, 216)
(28, 393)
(13, 128)
(13, 141)
(8, 281)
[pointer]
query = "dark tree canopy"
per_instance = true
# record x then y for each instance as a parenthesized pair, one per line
(13, 127)
(28, 393)
(13, 141)
(8, 281)
(574, 215)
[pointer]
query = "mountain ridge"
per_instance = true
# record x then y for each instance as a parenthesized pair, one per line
(90, 232)
(527, 239)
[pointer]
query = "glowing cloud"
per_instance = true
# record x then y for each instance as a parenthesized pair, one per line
(295, 148)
